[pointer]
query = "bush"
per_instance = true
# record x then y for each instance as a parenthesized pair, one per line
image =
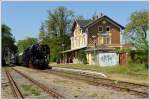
(139, 57)
(82, 56)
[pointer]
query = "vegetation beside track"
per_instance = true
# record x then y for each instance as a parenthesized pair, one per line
(129, 72)
(30, 89)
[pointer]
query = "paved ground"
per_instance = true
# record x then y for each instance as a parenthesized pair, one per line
(81, 71)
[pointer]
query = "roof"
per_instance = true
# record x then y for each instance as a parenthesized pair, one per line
(109, 19)
(87, 23)
(128, 45)
(99, 49)
(72, 50)
(114, 22)
(82, 23)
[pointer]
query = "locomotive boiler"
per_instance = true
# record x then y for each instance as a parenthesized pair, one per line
(36, 56)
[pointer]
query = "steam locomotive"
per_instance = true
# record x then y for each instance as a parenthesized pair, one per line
(35, 56)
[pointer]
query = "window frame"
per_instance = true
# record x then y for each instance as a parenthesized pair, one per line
(106, 39)
(107, 27)
(101, 27)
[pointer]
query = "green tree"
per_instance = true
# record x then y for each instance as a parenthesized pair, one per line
(58, 21)
(8, 44)
(82, 56)
(42, 33)
(23, 44)
(136, 32)
(57, 28)
(137, 29)
(80, 18)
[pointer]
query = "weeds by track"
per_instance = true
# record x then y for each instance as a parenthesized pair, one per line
(15, 90)
(51, 92)
(133, 88)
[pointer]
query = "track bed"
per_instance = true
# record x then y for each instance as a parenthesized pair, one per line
(72, 88)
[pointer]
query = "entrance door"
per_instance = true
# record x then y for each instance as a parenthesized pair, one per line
(123, 58)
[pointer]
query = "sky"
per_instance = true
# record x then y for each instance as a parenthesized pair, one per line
(24, 18)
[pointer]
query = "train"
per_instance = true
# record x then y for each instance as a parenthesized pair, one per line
(36, 56)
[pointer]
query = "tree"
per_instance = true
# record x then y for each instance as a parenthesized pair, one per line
(80, 18)
(58, 21)
(42, 31)
(8, 44)
(23, 44)
(82, 56)
(136, 31)
(57, 28)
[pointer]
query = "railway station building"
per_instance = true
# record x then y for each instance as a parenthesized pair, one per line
(98, 38)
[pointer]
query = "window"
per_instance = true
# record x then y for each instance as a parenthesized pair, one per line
(106, 40)
(100, 29)
(108, 28)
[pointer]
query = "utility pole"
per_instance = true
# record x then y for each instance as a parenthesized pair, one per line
(63, 45)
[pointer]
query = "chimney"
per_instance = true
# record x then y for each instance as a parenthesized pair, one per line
(101, 14)
(97, 17)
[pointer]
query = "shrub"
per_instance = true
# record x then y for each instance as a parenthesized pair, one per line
(82, 56)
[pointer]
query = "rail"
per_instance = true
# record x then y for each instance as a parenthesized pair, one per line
(51, 92)
(120, 85)
(15, 90)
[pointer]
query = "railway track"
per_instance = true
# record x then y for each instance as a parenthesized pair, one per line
(133, 88)
(15, 90)
(51, 92)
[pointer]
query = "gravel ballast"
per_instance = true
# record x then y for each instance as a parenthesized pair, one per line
(71, 88)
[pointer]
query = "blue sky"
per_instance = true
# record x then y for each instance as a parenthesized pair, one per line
(24, 18)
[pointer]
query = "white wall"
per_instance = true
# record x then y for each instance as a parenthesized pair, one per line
(76, 61)
(79, 41)
(107, 59)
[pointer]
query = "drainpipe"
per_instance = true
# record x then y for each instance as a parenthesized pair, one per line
(94, 38)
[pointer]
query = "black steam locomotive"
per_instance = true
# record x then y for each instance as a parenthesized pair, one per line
(35, 56)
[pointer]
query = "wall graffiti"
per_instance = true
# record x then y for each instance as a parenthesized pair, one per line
(107, 59)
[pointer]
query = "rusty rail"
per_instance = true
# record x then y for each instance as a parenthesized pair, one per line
(51, 92)
(105, 82)
(15, 90)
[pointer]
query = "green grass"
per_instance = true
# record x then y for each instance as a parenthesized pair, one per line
(93, 95)
(30, 90)
(134, 70)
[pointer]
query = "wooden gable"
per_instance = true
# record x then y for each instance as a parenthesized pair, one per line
(104, 22)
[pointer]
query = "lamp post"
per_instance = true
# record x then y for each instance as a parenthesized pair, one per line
(94, 39)
(63, 45)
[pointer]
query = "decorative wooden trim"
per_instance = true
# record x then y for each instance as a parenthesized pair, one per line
(108, 19)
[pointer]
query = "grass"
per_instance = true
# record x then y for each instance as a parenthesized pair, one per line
(137, 71)
(31, 90)
(105, 96)
(120, 69)
(93, 95)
